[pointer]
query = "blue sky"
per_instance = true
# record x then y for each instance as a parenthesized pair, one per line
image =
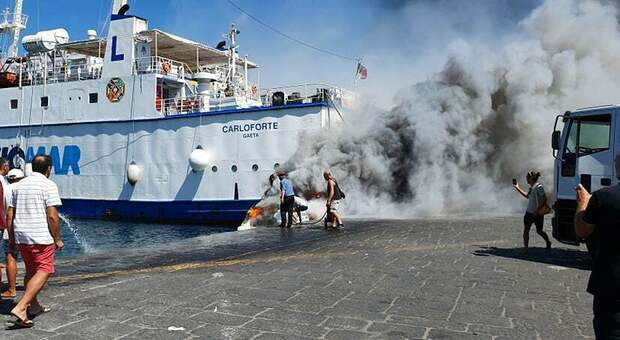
(400, 41)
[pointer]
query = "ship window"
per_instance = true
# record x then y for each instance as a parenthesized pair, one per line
(93, 97)
(214, 168)
(233, 168)
(13, 104)
(255, 167)
(44, 101)
(276, 166)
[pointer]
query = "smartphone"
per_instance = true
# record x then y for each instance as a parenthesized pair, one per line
(514, 181)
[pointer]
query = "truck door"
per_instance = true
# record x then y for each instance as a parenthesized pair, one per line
(587, 158)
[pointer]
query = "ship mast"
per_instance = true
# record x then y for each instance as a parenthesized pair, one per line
(232, 38)
(12, 24)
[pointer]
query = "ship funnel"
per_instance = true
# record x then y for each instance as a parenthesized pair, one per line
(123, 10)
(118, 6)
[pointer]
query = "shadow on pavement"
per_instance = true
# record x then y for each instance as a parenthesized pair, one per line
(570, 258)
(6, 306)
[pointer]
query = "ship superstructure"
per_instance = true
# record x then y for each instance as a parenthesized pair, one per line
(146, 124)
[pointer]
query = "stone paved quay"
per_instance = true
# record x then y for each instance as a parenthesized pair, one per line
(404, 279)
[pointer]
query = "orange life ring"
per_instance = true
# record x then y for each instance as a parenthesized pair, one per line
(165, 67)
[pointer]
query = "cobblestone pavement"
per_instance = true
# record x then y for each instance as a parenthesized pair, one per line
(405, 279)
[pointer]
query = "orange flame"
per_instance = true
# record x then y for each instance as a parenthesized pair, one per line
(255, 212)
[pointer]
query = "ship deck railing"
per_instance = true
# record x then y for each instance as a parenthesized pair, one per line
(175, 106)
(161, 66)
(203, 103)
(60, 73)
(307, 93)
(312, 93)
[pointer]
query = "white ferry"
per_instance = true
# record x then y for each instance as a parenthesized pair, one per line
(146, 125)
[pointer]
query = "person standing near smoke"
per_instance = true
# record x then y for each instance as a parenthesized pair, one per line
(334, 195)
(537, 200)
(287, 200)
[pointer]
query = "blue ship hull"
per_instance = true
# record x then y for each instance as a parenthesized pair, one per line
(230, 212)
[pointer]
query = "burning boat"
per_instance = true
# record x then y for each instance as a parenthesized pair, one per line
(144, 124)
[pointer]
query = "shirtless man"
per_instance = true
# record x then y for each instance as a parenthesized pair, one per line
(333, 201)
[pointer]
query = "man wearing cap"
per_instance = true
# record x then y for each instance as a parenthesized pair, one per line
(14, 176)
(287, 200)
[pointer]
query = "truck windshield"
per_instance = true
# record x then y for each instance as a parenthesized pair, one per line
(586, 135)
(593, 134)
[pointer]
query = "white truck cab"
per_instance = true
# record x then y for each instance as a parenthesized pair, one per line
(584, 153)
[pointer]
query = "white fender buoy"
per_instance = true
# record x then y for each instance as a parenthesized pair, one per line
(28, 169)
(199, 159)
(134, 173)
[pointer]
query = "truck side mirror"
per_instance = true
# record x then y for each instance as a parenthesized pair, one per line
(555, 140)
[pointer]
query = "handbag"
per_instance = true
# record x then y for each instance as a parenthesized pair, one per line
(543, 209)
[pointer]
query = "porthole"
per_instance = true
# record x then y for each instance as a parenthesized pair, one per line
(276, 166)
(255, 167)
(214, 168)
(233, 168)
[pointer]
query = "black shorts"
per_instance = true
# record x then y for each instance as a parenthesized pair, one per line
(536, 219)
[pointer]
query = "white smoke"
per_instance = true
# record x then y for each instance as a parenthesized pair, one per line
(452, 144)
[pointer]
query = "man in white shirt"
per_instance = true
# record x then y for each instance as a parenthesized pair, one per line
(32, 222)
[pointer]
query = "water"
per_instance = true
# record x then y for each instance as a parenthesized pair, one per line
(95, 236)
(81, 243)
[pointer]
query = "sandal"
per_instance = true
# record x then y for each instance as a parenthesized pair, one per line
(21, 323)
(7, 295)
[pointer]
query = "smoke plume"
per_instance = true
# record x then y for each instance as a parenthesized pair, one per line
(453, 143)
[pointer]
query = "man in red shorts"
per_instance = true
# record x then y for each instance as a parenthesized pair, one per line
(32, 221)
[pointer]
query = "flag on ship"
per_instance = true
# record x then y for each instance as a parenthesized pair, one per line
(362, 72)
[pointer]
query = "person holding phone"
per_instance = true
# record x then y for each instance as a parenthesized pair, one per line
(534, 214)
